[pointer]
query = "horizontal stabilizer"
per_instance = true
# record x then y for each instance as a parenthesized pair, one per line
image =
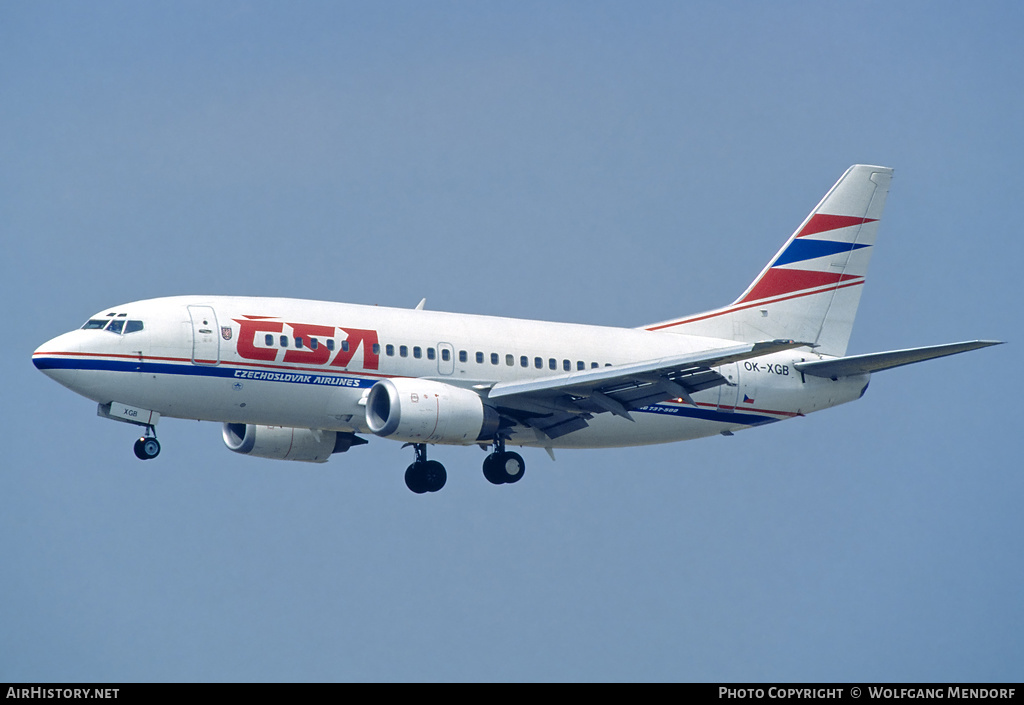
(875, 362)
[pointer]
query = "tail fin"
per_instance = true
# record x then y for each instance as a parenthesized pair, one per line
(811, 288)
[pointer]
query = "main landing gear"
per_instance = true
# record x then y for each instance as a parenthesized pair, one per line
(503, 467)
(500, 468)
(425, 475)
(147, 447)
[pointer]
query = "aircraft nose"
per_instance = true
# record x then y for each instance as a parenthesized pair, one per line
(54, 358)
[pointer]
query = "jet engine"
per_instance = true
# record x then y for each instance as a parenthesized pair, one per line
(284, 443)
(422, 411)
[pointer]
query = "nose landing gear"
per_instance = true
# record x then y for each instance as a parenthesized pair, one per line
(147, 447)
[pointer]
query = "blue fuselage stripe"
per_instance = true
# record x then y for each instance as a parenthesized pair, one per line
(340, 380)
(729, 417)
(163, 368)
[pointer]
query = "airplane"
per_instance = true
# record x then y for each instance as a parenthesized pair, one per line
(300, 380)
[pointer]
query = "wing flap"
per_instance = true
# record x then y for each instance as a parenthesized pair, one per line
(563, 403)
(675, 367)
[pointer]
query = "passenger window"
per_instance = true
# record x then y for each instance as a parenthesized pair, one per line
(538, 363)
(593, 365)
(417, 352)
(524, 361)
(313, 343)
(298, 342)
(510, 360)
(403, 351)
(552, 363)
(463, 356)
(389, 350)
(344, 346)
(494, 358)
(480, 357)
(566, 365)
(430, 353)
(446, 354)
(133, 326)
(330, 344)
(269, 340)
(375, 348)
(580, 365)
(284, 341)
(115, 326)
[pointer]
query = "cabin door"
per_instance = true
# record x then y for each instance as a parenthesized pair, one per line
(205, 336)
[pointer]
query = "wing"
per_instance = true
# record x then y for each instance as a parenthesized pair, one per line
(561, 404)
(876, 362)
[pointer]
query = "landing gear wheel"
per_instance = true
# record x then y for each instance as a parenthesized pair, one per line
(504, 468)
(492, 472)
(425, 475)
(513, 467)
(435, 475)
(415, 478)
(147, 448)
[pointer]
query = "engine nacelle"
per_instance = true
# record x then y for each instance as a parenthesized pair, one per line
(422, 411)
(284, 443)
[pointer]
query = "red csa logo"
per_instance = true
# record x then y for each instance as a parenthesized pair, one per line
(326, 343)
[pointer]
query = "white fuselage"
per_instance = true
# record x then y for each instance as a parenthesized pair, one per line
(238, 360)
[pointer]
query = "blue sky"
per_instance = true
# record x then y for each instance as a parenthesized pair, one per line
(608, 163)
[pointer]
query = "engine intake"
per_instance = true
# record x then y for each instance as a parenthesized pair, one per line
(285, 443)
(423, 411)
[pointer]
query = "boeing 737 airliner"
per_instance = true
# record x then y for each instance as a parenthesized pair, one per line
(298, 380)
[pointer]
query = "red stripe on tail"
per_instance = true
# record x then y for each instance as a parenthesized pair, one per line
(822, 222)
(776, 282)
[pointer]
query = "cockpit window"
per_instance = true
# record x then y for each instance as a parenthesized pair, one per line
(116, 325)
